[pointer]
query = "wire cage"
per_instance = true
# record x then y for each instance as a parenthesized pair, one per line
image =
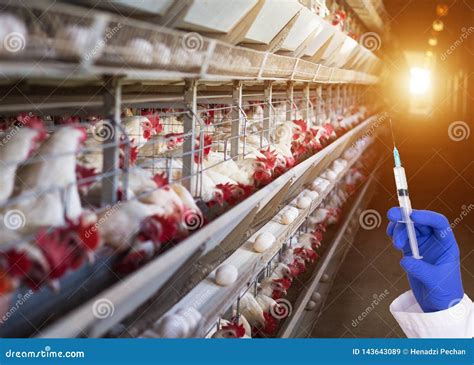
(66, 177)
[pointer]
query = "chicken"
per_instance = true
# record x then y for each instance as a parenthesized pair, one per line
(53, 253)
(17, 144)
(234, 328)
(273, 287)
(139, 130)
(46, 188)
(251, 310)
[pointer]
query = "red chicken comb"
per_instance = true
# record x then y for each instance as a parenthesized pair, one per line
(17, 263)
(285, 282)
(82, 173)
(57, 253)
(329, 128)
(301, 123)
(207, 144)
(6, 283)
(227, 191)
(269, 158)
(160, 179)
(238, 329)
(168, 228)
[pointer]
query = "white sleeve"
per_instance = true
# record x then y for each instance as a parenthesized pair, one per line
(454, 322)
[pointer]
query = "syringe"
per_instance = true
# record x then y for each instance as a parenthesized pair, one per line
(404, 201)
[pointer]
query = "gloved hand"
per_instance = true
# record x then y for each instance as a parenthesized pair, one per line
(435, 279)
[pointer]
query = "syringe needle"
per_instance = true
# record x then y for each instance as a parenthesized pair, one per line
(391, 130)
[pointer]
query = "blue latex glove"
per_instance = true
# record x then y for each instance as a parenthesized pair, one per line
(435, 279)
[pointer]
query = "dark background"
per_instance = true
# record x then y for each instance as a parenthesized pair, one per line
(440, 170)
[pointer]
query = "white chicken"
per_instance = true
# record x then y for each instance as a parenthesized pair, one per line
(46, 188)
(252, 311)
(16, 145)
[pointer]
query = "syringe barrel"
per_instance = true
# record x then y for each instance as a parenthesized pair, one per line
(405, 204)
(400, 178)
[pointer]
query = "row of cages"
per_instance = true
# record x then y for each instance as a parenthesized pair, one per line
(266, 303)
(74, 189)
(41, 33)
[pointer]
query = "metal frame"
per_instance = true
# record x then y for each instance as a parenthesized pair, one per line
(217, 299)
(327, 268)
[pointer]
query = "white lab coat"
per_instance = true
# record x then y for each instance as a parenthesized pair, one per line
(454, 322)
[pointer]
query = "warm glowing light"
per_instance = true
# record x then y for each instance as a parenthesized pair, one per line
(442, 9)
(429, 54)
(420, 80)
(433, 41)
(438, 25)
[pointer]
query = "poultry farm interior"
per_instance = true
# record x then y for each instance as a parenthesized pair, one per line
(205, 190)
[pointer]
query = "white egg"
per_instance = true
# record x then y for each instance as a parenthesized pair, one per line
(316, 296)
(320, 184)
(226, 275)
(162, 53)
(329, 174)
(139, 50)
(78, 40)
(289, 215)
(313, 195)
(338, 165)
(311, 305)
(173, 326)
(264, 241)
(303, 202)
(325, 278)
(192, 317)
